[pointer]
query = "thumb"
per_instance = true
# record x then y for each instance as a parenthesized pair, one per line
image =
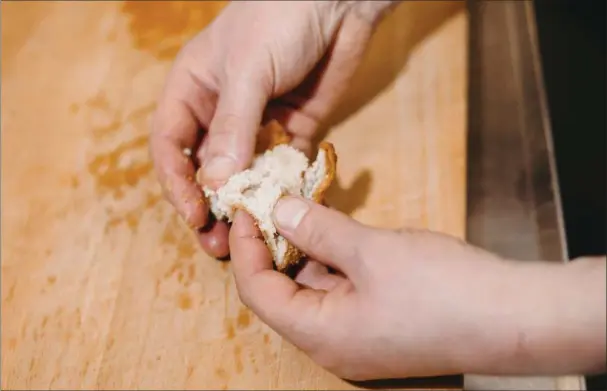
(326, 235)
(230, 143)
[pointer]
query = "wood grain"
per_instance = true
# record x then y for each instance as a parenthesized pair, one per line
(102, 286)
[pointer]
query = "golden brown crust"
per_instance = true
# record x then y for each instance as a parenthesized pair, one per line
(331, 168)
(292, 257)
(271, 135)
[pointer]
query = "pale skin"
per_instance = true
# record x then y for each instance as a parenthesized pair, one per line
(377, 317)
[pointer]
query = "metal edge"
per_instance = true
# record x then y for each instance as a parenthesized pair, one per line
(547, 125)
(563, 383)
(526, 69)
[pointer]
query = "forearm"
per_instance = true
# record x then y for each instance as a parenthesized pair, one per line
(547, 319)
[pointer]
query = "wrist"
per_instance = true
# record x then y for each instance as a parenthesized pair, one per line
(541, 318)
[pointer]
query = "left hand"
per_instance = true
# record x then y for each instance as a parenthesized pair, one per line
(290, 61)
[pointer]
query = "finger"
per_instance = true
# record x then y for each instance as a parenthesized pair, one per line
(230, 144)
(325, 235)
(174, 130)
(214, 238)
(316, 276)
(274, 297)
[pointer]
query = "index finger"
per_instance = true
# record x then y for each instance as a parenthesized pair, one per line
(184, 108)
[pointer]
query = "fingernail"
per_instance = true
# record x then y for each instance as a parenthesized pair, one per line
(219, 168)
(289, 212)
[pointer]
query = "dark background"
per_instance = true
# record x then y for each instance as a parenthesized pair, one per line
(572, 45)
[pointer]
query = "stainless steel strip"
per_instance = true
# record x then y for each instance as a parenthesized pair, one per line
(513, 204)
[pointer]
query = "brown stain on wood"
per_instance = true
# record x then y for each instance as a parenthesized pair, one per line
(229, 329)
(97, 101)
(238, 359)
(85, 368)
(74, 182)
(191, 271)
(131, 217)
(244, 318)
(185, 301)
(177, 237)
(161, 28)
(189, 371)
(111, 177)
(221, 373)
(11, 293)
(112, 171)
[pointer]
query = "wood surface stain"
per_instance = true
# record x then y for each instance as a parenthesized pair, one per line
(111, 175)
(229, 329)
(238, 359)
(176, 236)
(221, 373)
(131, 217)
(244, 319)
(114, 172)
(11, 294)
(185, 301)
(162, 27)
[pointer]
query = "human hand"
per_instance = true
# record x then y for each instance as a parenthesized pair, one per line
(397, 306)
(288, 61)
(412, 303)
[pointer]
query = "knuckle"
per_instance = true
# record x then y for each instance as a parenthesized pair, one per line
(229, 133)
(225, 124)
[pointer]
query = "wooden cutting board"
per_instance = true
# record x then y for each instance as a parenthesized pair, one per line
(102, 286)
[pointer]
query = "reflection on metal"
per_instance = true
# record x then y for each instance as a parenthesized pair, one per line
(513, 197)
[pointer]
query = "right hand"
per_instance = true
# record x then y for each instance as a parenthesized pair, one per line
(288, 61)
(401, 304)
(410, 303)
